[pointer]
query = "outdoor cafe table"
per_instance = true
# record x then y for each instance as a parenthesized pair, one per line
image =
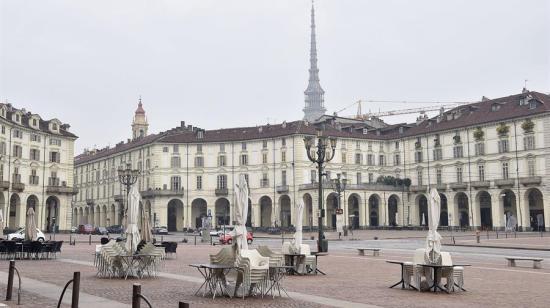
(402, 282)
(276, 275)
(214, 277)
(438, 268)
(317, 255)
(291, 257)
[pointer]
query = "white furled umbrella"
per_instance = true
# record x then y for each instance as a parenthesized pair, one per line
(423, 223)
(146, 234)
(299, 224)
(241, 213)
(1, 223)
(396, 218)
(433, 240)
(30, 226)
(132, 231)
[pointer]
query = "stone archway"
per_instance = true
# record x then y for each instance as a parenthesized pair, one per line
(266, 208)
(52, 213)
(308, 211)
(462, 205)
(483, 199)
(354, 210)
(198, 211)
(331, 206)
(422, 204)
(174, 219)
(393, 210)
(508, 199)
(223, 212)
(374, 207)
(444, 211)
(535, 206)
(285, 215)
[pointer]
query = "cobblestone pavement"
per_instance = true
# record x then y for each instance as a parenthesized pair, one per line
(350, 278)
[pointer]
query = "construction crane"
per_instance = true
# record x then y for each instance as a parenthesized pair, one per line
(432, 107)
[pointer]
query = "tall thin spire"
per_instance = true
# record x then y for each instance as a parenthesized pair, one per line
(314, 94)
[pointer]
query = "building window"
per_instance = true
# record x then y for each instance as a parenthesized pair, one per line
(370, 159)
(164, 149)
(244, 159)
(175, 183)
(358, 157)
(371, 177)
(344, 158)
(313, 175)
(358, 177)
(35, 154)
(222, 161)
(175, 148)
(459, 174)
(481, 172)
(283, 177)
(199, 161)
(33, 179)
(17, 133)
(17, 151)
(381, 160)
(175, 162)
(369, 146)
(418, 156)
(264, 158)
(438, 154)
(199, 182)
(397, 159)
(35, 138)
(531, 171)
(328, 176)
(397, 145)
(243, 146)
(264, 144)
(480, 149)
(438, 177)
(199, 148)
(55, 141)
(503, 146)
(419, 177)
(264, 182)
(505, 174)
(222, 147)
(147, 163)
(222, 181)
(529, 142)
(283, 156)
(283, 142)
(457, 151)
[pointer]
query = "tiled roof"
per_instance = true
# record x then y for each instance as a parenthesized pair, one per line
(470, 115)
(43, 124)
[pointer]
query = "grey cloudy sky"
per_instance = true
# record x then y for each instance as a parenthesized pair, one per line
(232, 63)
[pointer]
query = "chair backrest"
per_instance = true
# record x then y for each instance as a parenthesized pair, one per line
(446, 259)
(286, 248)
(58, 246)
(104, 240)
(419, 256)
(305, 249)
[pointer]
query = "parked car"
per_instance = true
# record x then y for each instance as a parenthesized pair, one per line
(101, 231)
(160, 230)
(20, 235)
(228, 238)
(74, 229)
(115, 229)
(85, 229)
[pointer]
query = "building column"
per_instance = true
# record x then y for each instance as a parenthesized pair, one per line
(497, 209)
(452, 208)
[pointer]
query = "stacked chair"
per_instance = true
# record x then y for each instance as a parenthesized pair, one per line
(108, 263)
(254, 270)
(310, 262)
(225, 256)
(419, 271)
(275, 259)
(152, 265)
(455, 275)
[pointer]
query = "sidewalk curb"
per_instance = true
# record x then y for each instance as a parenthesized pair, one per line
(498, 247)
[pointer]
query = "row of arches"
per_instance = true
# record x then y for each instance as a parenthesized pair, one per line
(17, 210)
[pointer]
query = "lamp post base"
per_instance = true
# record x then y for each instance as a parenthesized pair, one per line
(323, 245)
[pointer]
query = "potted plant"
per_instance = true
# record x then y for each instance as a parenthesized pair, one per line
(407, 182)
(478, 134)
(456, 138)
(503, 129)
(528, 126)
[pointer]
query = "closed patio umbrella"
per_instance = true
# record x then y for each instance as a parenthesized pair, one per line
(30, 225)
(299, 225)
(1, 223)
(241, 213)
(146, 234)
(433, 240)
(132, 231)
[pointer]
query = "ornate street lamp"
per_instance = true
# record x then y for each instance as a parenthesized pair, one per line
(339, 184)
(127, 177)
(320, 154)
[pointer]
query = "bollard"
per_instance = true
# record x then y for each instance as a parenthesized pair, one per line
(497, 234)
(162, 238)
(136, 291)
(90, 240)
(487, 233)
(76, 290)
(9, 288)
(477, 236)
(183, 305)
(195, 240)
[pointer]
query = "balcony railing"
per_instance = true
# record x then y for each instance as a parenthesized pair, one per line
(221, 192)
(458, 186)
(417, 188)
(16, 183)
(62, 190)
(480, 184)
(531, 180)
(505, 183)
(90, 201)
(53, 181)
(151, 193)
(4, 185)
(282, 189)
(264, 183)
(34, 179)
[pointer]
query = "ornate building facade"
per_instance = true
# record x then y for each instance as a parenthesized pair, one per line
(36, 169)
(489, 160)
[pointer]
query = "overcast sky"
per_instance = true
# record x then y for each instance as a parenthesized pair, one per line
(217, 64)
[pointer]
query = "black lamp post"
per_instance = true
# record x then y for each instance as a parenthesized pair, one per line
(321, 154)
(127, 177)
(339, 184)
